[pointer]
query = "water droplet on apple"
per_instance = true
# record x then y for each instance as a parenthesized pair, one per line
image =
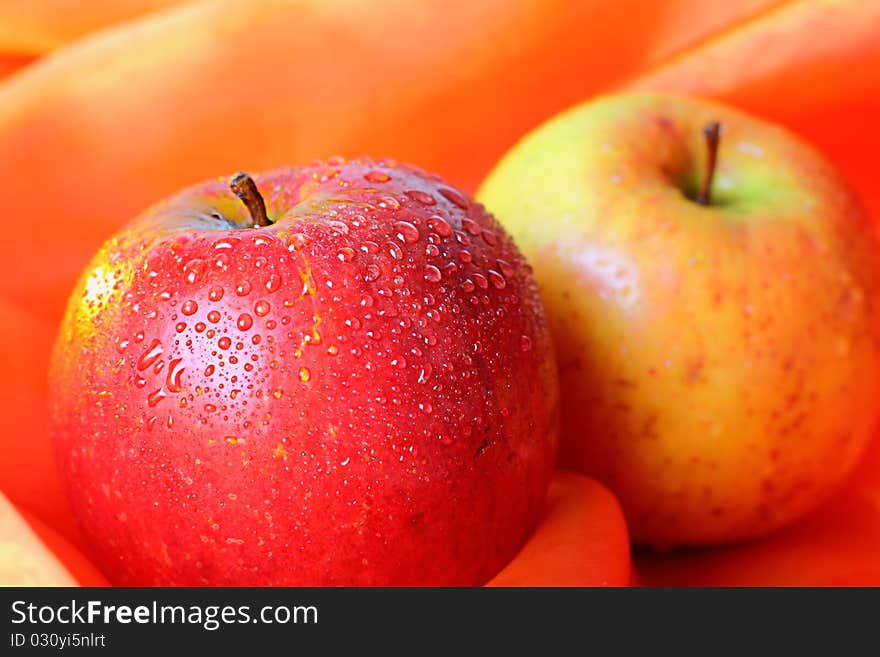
(425, 373)
(481, 281)
(189, 307)
(440, 226)
(505, 267)
(244, 322)
(497, 280)
(432, 251)
(471, 226)
(214, 316)
(150, 356)
(194, 270)
(173, 378)
(432, 274)
(304, 374)
(346, 254)
(376, 177)
(465, 256)
(489, 237)
(226, 243)
(407, 232)
(389, 203)
(395, 251)
(224, 343)
(298, 241)
(338, 227)
(525, 343)
(273, 283)
(421, 197)
(261, 308)
(156, 396)
(230, 440)
(243, 289)
(454, 197)
(371, 273)
(215, 293)
(180, 327)
(209, 370)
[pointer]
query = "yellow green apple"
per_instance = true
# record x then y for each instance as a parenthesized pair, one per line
(717, 337)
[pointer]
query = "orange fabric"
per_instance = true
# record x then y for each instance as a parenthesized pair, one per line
(10, 64)
(27, 470)
(71, 558)
(25, 560)
(96, 131)
(38, 26)
(581, 540)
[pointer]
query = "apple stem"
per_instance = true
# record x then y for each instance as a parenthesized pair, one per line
(244, 187)
(712, 132)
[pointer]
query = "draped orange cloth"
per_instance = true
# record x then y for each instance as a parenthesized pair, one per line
(100, 118)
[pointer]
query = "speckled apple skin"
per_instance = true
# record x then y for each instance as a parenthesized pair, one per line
(363, 393)
(718, 364)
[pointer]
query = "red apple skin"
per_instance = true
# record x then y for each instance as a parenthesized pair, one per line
(336, 399)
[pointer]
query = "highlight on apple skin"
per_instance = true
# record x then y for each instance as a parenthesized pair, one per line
(358, 390)
(719, 362)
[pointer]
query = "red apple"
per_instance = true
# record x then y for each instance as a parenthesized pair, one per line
(351, 385)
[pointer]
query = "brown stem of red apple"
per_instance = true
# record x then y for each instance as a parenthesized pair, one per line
(712, 132)
(244, 187)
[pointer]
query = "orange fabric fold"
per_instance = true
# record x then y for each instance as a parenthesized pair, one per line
(95, 132)
(35, 27)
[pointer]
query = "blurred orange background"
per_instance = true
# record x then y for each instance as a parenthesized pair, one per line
(106, 108)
